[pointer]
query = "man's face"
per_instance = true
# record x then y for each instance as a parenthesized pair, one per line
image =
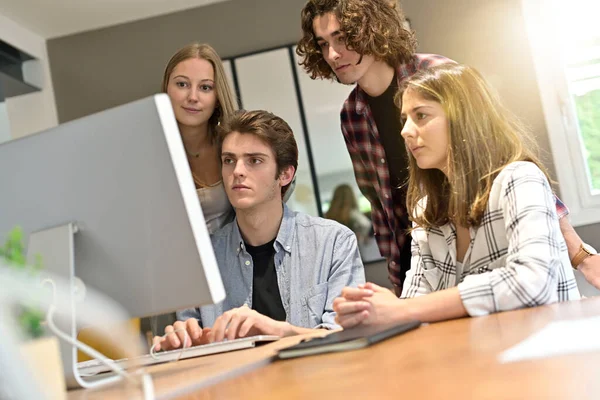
(250, 172)
(347, 64)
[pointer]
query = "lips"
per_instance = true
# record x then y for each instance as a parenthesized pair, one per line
(240, 187)
(415, 149)
(191, 110)
(342, 67)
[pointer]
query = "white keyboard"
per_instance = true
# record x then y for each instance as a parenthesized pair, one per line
(93, 367)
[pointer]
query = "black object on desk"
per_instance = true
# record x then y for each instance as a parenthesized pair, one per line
(348, 339)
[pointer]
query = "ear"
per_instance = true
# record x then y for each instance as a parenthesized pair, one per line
(287, 175)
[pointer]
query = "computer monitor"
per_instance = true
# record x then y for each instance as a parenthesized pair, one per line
(121, 179)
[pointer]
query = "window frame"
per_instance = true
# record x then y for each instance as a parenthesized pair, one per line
(560, 115)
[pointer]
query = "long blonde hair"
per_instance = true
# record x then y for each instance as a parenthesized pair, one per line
(484, 137)
(226, 103)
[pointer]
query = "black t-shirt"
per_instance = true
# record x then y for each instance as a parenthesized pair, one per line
(387, 118)
(266, 298)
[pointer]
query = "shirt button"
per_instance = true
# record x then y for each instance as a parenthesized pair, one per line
(383, 160)
(288, 247)
(247, 262)
(386, 196)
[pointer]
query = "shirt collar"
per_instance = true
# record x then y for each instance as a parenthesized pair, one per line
(284, 236)
(286, 230)
(360, 101)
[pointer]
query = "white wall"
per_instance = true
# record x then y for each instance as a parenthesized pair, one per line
(32, 112)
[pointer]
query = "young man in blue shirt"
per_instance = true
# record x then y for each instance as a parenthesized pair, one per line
(281, 269)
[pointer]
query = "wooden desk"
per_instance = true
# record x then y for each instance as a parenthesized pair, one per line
(185, 376)
(449, 360)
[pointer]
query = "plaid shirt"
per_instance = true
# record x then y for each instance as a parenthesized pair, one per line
(371, 169)
(517, 256)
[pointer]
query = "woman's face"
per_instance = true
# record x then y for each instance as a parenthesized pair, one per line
(192, 91)
(425, 131)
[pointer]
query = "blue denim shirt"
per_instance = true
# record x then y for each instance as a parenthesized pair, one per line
(314, 259)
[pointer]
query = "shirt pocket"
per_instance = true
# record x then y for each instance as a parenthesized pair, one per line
(314, 303)
(434, 276)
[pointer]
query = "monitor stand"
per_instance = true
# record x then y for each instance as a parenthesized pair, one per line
(55, 246)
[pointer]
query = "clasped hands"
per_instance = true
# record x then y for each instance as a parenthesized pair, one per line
(368, 304)
(236, 323)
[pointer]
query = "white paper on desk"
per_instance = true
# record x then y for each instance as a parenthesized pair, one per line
(557, 338)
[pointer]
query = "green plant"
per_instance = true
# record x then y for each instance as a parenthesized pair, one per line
(13, 252)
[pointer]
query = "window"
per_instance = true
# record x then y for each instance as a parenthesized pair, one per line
(565, 42)
(273, 89)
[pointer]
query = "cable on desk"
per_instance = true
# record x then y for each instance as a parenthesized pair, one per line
(146, 380)
(185, 340)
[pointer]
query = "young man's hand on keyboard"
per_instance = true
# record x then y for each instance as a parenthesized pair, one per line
(244, 322)
(176, 335)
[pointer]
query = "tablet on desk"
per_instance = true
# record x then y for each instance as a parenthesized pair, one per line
(348, 339)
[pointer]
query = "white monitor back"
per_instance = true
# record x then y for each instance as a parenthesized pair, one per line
(122, 177)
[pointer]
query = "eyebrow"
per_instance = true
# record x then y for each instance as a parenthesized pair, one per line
(416, 109)
(185, 77)
(257, 154)
(334, 34)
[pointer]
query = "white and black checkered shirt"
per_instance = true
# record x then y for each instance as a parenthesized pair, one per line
(517, 256)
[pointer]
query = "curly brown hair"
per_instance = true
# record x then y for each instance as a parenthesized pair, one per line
(370, 27)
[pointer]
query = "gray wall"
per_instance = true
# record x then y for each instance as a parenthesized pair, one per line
(104, 68)
(99, 69)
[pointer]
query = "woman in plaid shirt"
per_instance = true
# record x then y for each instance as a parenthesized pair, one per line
(486, 234)
(368, 44)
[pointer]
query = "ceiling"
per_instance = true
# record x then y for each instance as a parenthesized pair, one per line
(54, 18)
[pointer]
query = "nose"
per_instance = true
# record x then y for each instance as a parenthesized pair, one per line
(240, 169)
(193, 95)
(409, 130)
(333, 54)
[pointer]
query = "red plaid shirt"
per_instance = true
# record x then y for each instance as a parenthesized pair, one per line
(371, 169)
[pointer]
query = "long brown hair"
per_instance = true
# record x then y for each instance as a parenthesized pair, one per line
(484, 137)
(342, 204)
(374, 27)
(226, 103)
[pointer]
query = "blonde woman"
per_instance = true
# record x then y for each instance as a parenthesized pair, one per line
(196, 83)
(201, 97)
(486, 234)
